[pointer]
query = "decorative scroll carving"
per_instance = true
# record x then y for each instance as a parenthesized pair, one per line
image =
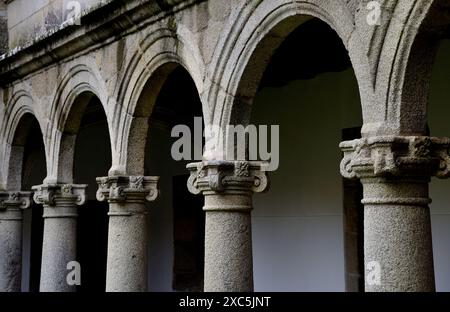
(227, 176)
(396, 156)
(20, 200)
(50, 194)
(127, 188)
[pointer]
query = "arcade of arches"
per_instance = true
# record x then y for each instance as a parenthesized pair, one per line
(86, 173)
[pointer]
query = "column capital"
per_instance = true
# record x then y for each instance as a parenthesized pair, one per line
(119, 189)
(18, 200)
(51, 194)
(231, 177)
(396, 156)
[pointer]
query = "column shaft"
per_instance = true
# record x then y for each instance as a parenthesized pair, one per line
(11, 218)
(10, 250)
(397, 235)
(395, 172)
(228, 252)
(127, 248)
(60, 233)
(228, 188)
(59, 247)
(128, 233)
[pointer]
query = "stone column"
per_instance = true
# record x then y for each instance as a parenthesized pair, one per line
(395, 172)
(11, 216)
(228, 187)
(127, 235)
(60, 232)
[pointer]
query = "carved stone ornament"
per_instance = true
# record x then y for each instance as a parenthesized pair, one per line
(414, 156)
(127, 188)
(20, 200)
(50, 194)
(227, 176)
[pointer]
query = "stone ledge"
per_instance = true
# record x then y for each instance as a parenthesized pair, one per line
(67, 39)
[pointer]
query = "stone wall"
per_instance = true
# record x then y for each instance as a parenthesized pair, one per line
(124, 50)
(28, 19)
(3, 28)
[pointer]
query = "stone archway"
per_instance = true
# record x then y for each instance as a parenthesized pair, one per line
(309, 89)
(22, 230)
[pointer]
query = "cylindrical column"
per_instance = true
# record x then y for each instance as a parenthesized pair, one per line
(230, 267)
(127, 237)
(397, 235)
(60, 233)
(228, 188)
(395, 172)
(11, 216)
(127, 247)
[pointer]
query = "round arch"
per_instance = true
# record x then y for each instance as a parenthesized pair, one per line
(245, 59)
(144, 77)
(405, 86)
(78, 86)
(260, 29)
(19, 114)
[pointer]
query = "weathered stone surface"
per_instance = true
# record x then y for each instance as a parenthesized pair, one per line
(11, 206)
(3, 29)
(224, 45)
(60, 232)
(228, 187)
(128, 231)
(127, 189)
(214, 41)
(417, 156)
(395, 172)
(210, 39)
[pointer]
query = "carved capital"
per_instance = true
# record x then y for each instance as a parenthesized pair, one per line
(20, 200)
(51, 194)
(227, 176)
(410, 156)
(127, 188)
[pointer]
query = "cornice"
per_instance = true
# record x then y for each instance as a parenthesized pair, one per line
(100, 25)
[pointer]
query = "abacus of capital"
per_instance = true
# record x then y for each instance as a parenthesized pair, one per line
(395, 172)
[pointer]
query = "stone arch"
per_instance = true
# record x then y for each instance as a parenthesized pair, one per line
(250, 50)
(77, 87)
(19, 115)
(146, 73)
(408, 81)
(259, 30)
